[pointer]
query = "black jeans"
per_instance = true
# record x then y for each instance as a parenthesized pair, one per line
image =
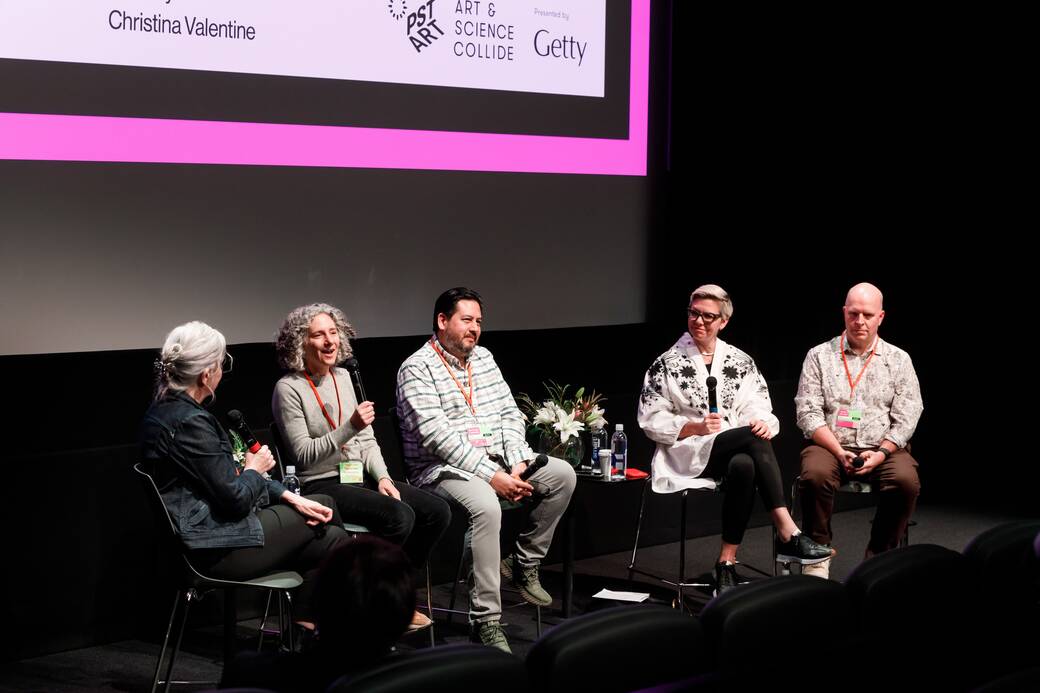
(415, 523)
(289, 544)
(744, 462)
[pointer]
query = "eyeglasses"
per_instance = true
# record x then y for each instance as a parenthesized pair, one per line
(227, 363)
(707, 318)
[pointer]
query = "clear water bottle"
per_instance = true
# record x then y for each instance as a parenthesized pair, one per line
(291, 481)
(597, 440)
(619, 451)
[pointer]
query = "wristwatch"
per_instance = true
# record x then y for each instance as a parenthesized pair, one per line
(884, 451)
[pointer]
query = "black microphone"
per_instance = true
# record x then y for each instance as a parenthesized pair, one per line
(538, 463)
(713, 402)
(238, 425)
(355, 375)
(857, 462)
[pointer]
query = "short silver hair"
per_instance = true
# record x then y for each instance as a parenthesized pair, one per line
(288, 345)
(190, 349)
(717, 293)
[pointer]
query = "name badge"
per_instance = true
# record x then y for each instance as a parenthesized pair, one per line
(479, 436)
(351, 472)
(849, 418)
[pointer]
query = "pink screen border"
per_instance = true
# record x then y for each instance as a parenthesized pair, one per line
(39, 137)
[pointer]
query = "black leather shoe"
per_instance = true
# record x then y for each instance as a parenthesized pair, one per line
(725, 577)
(803, 550)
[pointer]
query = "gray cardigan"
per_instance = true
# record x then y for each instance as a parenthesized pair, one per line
(313, 447)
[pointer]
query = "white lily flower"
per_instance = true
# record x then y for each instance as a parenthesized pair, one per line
(595, 419)
(545, 415)
(568, 427)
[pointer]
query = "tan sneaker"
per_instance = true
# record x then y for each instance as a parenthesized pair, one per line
(820, 570)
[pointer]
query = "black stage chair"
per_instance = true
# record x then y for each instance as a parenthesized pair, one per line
(619, 649)
(925, 596)
(1010, 589)
(782, 631)
(458, 668)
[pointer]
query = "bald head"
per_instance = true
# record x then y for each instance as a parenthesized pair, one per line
(865, 292)
(863, 316)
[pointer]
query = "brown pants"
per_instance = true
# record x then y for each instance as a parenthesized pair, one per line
(895, 478)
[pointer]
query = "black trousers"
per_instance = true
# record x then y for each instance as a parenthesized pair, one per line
(415, 523)
(745, 463)
(289, 544)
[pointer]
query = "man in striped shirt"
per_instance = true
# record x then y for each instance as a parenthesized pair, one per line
(464, 440)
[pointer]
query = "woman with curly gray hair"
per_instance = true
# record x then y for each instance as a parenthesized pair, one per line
(328, 436)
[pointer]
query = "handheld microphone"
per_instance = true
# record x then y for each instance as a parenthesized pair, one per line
(238, 425)
(355, 375)
(713, 402)
(538, 463)
(857, 462)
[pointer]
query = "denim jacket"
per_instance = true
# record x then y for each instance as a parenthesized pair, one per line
(188, 454)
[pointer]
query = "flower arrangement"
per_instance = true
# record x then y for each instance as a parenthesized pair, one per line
(557, 422)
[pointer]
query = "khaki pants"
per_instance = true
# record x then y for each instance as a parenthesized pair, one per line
(553, 486)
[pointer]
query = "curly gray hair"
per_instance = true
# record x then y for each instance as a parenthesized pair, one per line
(288, 344)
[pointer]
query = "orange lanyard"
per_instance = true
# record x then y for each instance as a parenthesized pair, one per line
(852, 385)
(339, 406)
(451, 372)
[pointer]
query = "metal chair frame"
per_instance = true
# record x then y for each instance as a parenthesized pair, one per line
(681, 582)
(198, 585)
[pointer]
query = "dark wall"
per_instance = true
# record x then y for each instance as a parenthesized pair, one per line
(809, 151)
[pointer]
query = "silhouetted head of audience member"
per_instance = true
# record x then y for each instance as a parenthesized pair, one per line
(364, 598)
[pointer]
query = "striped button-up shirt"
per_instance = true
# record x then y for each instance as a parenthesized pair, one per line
(888, 394)
(436, 420)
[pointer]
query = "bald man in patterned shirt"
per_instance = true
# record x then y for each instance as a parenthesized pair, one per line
(858, 399)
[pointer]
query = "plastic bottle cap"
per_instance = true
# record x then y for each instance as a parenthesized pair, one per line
(290, 469)
(619, 427)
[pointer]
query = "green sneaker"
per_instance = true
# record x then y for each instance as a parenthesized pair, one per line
(489, 633)
(525, 578)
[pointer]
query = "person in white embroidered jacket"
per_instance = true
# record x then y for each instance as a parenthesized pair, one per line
(701, 442)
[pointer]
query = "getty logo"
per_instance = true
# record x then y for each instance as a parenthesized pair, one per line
(420, 26)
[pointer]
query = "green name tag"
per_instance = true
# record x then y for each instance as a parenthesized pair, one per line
(351, 472)
(849, 418)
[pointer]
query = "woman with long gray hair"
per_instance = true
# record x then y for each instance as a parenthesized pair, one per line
(236, 522)
(328, 436)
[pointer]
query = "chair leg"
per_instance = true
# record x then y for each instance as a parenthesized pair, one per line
(263, 621)
(166, 639)
(784, 567)
(284, 619)
(290, 624)
(188, 596)
(682, 552)
(639, 528)
(429, 604)
(455, 587)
